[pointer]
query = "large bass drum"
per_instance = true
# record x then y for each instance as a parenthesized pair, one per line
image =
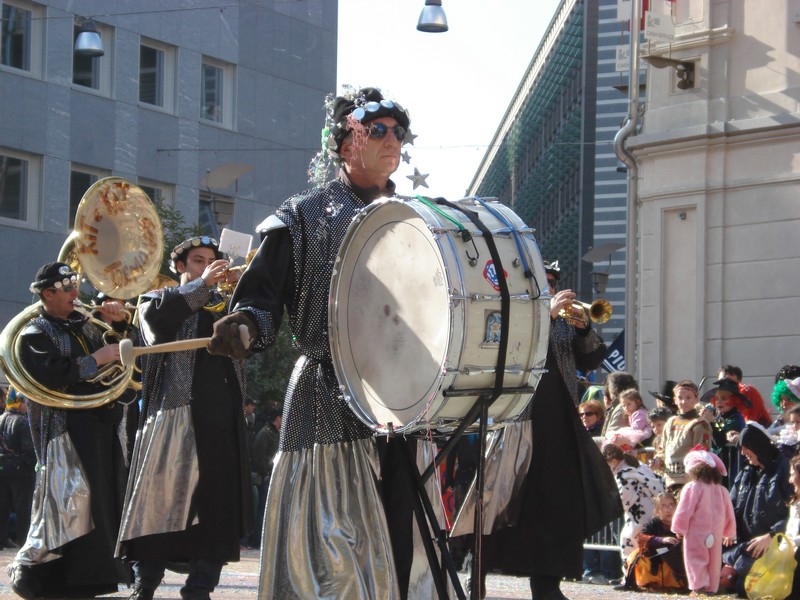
(415, 314)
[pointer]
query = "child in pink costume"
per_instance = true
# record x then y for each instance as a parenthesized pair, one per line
(704, 520)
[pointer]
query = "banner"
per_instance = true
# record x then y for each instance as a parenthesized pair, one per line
(615, 358)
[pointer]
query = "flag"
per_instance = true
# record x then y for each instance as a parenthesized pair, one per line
(615, 357)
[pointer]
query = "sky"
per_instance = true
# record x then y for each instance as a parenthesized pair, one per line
(455, 85)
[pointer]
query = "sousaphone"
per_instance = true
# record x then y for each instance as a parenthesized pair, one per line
(117, 244)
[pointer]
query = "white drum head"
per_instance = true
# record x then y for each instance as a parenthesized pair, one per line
(389, 316)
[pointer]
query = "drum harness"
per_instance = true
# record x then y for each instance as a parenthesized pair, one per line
(480, 410)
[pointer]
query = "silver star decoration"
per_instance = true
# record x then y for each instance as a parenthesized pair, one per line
(418, 178)
(410, 137)
(406, 157)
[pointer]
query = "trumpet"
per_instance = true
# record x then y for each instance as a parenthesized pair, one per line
(226, 287)
(598, 312)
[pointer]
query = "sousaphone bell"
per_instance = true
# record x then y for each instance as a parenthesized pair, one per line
(117, 244)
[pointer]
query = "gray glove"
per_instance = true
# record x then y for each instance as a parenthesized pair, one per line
(233, 335)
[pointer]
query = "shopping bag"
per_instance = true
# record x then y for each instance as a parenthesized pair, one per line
(772, 574)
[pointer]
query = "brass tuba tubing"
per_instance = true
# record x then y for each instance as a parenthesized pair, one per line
(117, 244)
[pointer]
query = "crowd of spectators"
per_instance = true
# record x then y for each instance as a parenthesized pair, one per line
(697, 454)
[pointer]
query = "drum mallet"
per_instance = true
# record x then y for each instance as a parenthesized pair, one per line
(128, 352)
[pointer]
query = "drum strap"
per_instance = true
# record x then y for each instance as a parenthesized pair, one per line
(441, 213)
(499, 216)
(505, 299)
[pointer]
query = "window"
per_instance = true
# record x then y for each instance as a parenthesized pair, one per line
(19, 187)
(156, 74)
(94, 73)
(80, 180)
(16, 49)
(21, 36)
(159, 193)
(216, 93)
(215, 213)
(13, 187)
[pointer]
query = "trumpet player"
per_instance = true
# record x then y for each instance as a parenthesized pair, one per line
(551, 425)
(81, 474)
(196, 511)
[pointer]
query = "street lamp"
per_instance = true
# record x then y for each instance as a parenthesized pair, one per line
(88, 43)
(432, 18)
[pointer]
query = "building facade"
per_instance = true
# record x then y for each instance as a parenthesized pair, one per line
(552, 159)
(213, 109)
(719, 195)
(715, 196)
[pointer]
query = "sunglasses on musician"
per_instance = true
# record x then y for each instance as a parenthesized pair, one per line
(67, 285)
(379, 130)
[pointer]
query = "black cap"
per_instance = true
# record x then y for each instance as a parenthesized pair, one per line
(553, 269)
(53, 275)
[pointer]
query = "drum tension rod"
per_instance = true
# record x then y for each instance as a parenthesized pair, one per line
(466, 236)
(478, 391)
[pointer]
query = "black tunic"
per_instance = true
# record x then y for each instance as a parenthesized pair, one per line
(569, 491)
(54, 352)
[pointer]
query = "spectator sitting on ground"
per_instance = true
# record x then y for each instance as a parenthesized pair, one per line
(759, 494)
(657, 564)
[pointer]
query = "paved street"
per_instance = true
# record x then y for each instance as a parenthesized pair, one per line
(240, 580)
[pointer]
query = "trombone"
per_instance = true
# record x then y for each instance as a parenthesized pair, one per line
(598, 312)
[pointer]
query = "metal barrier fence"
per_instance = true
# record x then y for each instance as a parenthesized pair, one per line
(607, 538)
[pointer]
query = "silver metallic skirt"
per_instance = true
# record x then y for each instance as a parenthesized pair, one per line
(325, 533)
(61, 509)
(508, 455)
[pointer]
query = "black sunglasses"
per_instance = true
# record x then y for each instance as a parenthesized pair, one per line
(379, 131)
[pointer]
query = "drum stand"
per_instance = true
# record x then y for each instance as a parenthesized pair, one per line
(480, 412)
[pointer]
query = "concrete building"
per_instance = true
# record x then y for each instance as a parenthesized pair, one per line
(213, 109)
(719, 195)
(715, 193)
